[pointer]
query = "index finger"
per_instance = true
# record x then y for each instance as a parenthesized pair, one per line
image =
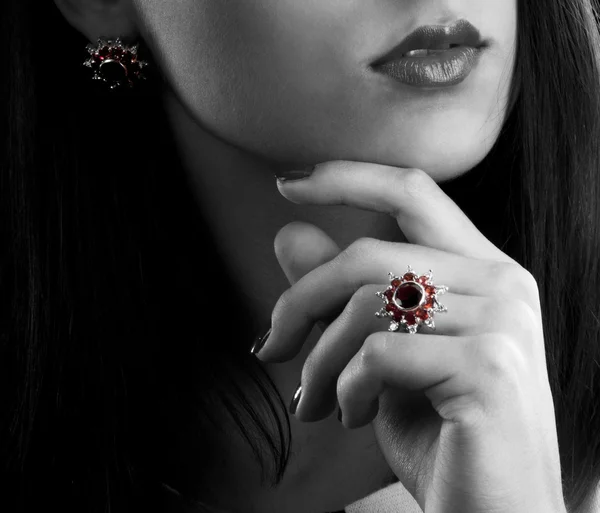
(426, 215)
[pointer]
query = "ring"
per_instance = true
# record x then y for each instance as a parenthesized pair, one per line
(411, 301)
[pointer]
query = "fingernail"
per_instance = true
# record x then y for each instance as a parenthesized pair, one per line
(339, 415)
(295, 399)
(260, 342)
(295, 174)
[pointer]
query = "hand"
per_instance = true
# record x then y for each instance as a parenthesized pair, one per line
(464, 415)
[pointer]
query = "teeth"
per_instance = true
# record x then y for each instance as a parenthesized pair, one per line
(422, 52)
(416, 53)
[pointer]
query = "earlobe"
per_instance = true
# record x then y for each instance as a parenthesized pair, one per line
(100, 18)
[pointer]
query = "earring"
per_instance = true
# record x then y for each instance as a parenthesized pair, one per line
(115, 63)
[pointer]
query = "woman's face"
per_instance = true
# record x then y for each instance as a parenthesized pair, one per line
(290, 80)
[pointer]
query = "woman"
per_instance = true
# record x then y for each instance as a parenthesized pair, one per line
(138, 267)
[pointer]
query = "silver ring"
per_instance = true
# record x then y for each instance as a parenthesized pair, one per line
(411, 301)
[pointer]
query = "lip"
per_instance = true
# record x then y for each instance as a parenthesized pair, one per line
(453, 52)
(427, 37)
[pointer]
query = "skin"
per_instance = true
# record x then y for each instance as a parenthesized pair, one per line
(263, 87)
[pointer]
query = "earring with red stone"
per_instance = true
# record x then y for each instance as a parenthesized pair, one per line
(115, 63)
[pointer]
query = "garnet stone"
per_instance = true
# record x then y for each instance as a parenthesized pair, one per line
(408, 295)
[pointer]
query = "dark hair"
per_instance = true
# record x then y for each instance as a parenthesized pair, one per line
(125, 367)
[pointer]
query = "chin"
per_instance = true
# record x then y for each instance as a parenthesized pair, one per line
(447, 159)
(443, 170)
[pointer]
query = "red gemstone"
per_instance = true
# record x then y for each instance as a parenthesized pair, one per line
(410, 317)
(422, 314)
(117, 52)
(422, 280)
(429, 303)
(396, 283)
(430, 290)
(408, 295)
(97, 58)
(389, 294)
(103, 51)
(410, 277)
(396, 313)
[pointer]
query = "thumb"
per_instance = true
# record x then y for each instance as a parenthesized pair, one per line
(301, 247)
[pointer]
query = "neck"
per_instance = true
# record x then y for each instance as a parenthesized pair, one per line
(236, 191)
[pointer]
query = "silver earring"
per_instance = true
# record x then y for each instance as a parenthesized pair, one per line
(115, 63)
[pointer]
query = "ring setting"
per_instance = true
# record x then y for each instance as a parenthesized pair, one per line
(410, 301)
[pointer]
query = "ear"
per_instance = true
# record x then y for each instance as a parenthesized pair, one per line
(100, 18)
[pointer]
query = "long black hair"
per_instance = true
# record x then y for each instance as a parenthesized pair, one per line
(125, 366)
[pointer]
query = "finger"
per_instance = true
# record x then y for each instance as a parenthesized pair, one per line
(461, 376)
(471, 315)
(301, 247)
(425, 214)
(325, 291)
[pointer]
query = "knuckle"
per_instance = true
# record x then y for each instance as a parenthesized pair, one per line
(361, 246)
(503, 278)
(531, 286)
(526, 278)
(512, 280)
(370, 352)
(518, 313)
(499, 358)
(414, 182)
(360, 250)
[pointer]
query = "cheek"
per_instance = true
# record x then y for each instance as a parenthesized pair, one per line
(194, 44)
(253, 73)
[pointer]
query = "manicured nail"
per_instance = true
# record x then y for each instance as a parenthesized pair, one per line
(339, 415)
(295, 399)
(295, 174)
(260, 342)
